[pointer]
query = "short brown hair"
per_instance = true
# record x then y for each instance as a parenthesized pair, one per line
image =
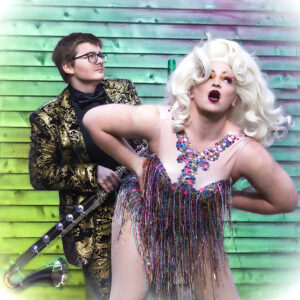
(64, 52)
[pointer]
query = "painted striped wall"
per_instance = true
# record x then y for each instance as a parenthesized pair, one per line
(139, 37)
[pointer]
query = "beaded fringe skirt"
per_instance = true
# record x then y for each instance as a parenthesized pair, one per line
(178, 229)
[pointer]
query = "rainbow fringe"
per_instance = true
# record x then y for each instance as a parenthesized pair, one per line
(176, 226)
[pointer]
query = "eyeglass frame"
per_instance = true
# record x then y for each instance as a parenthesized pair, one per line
(96, 55)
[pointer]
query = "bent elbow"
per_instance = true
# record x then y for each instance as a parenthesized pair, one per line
(289, 204)
(87, 120)
(292, 205)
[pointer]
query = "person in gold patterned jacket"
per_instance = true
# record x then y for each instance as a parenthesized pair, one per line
(63, 157)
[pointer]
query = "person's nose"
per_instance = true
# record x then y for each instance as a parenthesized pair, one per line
(99, 60)
(216, 82)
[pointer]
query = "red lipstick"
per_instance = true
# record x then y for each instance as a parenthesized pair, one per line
(214, 96)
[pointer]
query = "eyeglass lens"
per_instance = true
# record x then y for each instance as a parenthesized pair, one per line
(93, 57)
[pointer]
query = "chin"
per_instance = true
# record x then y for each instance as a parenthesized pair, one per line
(98, 78)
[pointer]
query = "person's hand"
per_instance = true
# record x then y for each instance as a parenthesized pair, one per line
(108, 179)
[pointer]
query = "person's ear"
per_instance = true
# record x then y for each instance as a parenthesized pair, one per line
(235, 101)
(191, 94)
(68, 68)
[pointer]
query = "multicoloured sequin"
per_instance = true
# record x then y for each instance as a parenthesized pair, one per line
(194, 160)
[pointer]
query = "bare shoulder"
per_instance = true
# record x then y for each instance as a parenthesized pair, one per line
(252, 158)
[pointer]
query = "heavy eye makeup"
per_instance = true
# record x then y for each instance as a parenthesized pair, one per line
(227, 78)
(224, 77)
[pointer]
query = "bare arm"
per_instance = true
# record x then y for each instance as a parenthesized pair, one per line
(107, 124)
(275, 191)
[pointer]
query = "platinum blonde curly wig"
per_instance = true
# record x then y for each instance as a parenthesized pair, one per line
(254, 112)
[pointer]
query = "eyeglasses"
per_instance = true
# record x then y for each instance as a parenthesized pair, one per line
(93, 57)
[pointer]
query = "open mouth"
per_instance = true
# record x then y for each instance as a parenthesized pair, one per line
(214, 96)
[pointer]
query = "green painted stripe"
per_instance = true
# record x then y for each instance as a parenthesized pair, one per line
(12, 165)
(240, 276)
(8, 134)
(44, 292)
(260, 5)
(52, 89)
(243, 183)
(287, 94)
(40, 88)
(19, 197)
(21, 119)
(285, 154)
(17, 230)
(258, 245)
(14, 134)
(161, 31)
(157, 16)
(153, 76)
(284, 230)
(237, 245)
(266, 276)
(33, 197)
(39, 261)
(20, 166)
(264, 260)
(120, 60)
(292, 139)
(46, 213)
(31, 103)
(21, 182)
(21, 150)
(38, 213)
(14, 119)
(251, 229)
(139, 45)
(291, 107)
(237, 261)
(293, 168)
(243, 216)
(75, 278)
(20, 245)
(15, 182)
(267, 292)
(14, 150)
(147, 75)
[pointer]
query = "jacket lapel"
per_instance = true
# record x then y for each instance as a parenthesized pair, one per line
(71, 134)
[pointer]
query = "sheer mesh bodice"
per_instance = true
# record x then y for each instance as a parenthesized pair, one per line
(219, 169)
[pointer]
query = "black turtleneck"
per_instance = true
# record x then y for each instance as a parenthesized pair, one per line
(82, 102)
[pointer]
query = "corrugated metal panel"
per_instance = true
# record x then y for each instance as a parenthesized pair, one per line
(139, 37)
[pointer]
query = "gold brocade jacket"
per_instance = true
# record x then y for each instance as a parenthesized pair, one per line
(58, 160)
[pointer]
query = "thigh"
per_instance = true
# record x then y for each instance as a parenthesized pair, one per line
(224, 289)
(128, 279)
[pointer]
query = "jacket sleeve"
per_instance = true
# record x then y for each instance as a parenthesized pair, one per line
(53, 169)
(134, 99)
